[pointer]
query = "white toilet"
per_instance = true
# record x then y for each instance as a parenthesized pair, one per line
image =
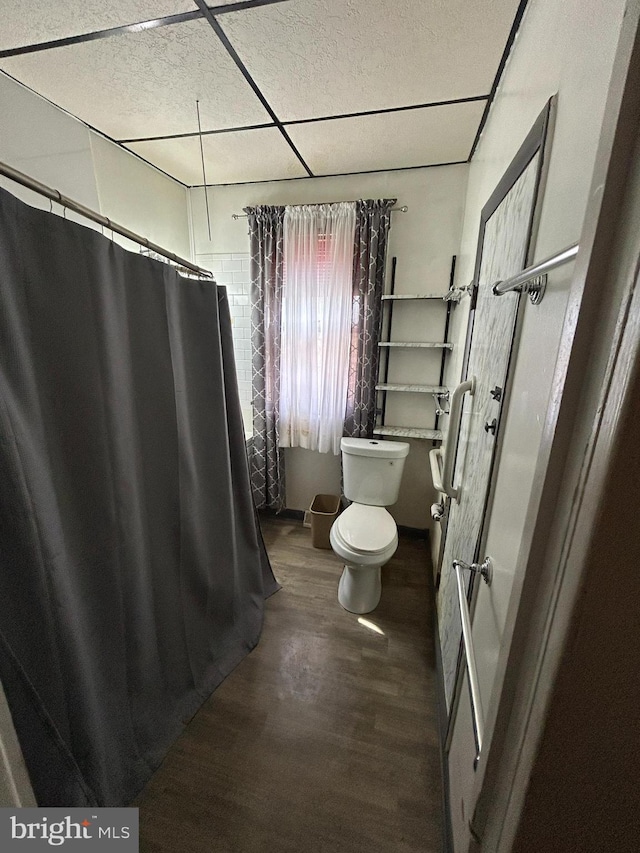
(365, 534)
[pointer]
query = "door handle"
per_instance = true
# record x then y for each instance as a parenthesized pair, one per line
(455, 417)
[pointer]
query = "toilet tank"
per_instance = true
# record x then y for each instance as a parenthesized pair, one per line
(372, 470)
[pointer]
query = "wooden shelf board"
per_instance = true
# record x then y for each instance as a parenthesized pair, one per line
(409, 432)
(417, 389)
(416, 345)
(395, 296)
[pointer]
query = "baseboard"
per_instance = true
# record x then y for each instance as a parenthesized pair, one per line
(302, 515)
(414, 532)
(294, 514)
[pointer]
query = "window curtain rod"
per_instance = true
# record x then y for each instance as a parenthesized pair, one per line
(402, 209)
(54, 195)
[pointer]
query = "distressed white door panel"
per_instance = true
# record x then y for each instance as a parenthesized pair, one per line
(503, 254)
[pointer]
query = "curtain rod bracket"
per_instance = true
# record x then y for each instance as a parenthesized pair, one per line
(536, 288)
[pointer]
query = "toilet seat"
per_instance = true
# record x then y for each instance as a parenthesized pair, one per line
(366, 530)
(366, 538)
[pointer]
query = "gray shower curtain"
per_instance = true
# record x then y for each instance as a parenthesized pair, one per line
(132, 570)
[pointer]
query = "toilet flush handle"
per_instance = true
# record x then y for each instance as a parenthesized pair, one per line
(437, 511)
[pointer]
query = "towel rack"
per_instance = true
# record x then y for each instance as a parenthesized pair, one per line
(533, 279)
(484, 570)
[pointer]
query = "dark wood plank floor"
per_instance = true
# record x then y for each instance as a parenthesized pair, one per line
(324, 738)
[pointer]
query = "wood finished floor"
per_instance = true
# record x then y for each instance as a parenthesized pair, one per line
(325, 737)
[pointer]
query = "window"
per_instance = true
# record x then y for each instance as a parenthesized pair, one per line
(316, 324)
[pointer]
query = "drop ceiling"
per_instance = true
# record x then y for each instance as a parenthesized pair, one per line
(285, 88)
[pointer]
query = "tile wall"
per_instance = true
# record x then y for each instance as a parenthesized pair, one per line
(232, 270)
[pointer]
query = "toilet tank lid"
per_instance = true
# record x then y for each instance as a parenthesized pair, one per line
(373, 447)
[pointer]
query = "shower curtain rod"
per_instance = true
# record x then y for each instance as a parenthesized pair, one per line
(402, 209)
(54, 195)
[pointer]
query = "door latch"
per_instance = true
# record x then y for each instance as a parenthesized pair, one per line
(496, 393)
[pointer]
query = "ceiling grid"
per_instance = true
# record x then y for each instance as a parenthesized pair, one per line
(287, 88)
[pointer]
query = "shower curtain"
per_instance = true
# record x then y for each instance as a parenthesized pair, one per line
(132, 570)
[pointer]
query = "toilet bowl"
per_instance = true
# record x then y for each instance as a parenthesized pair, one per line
(365, 536)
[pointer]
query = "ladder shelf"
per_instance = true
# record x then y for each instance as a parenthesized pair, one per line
(387, 346)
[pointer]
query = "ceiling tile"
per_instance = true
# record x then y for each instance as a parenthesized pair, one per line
(389, 141)
(326, 57)
(249, 155)
(144, 84)
(33, 21)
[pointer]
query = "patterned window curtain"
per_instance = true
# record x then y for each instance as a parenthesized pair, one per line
(373, 219)
(266, 459)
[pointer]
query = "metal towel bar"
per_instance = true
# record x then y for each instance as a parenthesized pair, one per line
(484, 570)
(533, 280)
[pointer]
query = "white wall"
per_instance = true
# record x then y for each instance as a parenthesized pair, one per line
(232, 270)
(566, 48)
(424, 241)
(136, 195)
(45, 143)
(51, 146)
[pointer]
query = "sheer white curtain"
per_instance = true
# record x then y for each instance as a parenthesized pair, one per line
(316, 324)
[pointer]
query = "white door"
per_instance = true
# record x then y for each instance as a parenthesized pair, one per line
(503, 253)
